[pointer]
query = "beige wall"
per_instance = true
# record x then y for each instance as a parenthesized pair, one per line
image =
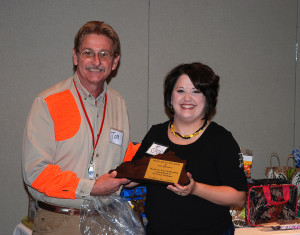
(250, 44)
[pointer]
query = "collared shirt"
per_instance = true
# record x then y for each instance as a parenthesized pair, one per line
(58, 144)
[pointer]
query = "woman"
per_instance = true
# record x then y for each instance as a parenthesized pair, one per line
(212, 155)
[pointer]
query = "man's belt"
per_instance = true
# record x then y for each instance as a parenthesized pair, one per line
(58, 209)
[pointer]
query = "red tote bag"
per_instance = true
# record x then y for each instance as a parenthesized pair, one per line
(271, 203)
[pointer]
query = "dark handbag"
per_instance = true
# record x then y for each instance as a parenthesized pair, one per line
(271, 203)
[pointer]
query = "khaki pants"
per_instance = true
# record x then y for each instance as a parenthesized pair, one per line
(50, 223)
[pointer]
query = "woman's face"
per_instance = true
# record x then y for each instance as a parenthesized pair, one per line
(188, 102)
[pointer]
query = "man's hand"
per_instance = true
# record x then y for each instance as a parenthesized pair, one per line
(107, 184)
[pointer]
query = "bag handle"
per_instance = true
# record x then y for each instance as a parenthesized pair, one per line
(275, 155)
(285, 192)
(290, 156)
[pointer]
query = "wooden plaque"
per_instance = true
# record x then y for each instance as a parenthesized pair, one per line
(163, 168)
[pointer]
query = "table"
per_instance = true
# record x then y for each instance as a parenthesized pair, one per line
(263, 231)
(21, 229)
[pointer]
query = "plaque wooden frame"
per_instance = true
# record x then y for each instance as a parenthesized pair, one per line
(164, 168)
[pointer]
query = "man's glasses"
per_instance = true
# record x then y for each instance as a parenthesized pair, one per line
(90, 54)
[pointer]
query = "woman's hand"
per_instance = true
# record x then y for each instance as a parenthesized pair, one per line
(183, 190)
(220, 195)
(131, 184)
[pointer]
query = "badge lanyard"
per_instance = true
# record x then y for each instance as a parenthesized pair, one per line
(91, 168)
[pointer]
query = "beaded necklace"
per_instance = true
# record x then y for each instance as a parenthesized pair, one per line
(186, 136)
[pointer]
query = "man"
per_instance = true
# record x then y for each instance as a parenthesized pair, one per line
(76, 132)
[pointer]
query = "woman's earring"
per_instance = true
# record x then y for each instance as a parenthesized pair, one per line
(171, 108)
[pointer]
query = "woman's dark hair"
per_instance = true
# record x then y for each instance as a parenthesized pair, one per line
(202, 77)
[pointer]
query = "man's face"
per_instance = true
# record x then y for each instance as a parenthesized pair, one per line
(93, 72)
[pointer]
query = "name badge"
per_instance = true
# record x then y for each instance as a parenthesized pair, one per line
(116, 137)
(91, 171)
(156, 149)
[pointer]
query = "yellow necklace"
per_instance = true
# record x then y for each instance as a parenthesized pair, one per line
(186, 136)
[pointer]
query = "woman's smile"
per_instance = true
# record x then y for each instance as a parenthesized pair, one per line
(187, 101)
